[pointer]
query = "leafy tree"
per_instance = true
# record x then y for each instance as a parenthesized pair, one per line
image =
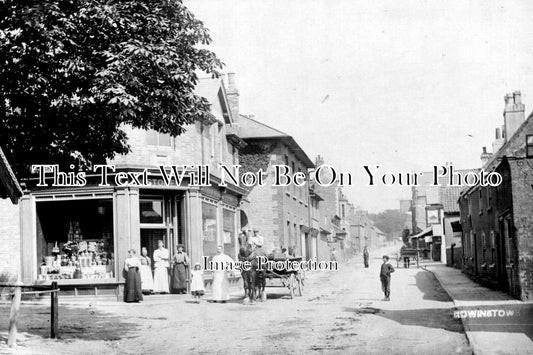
(75, 71)
(389, 221)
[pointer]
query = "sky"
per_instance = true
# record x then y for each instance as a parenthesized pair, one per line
(400, 84)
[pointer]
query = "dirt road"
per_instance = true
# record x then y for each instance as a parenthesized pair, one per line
(340, 312)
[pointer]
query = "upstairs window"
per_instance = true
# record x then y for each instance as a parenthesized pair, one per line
(158, 139)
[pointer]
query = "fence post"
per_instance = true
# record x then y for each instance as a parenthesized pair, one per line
(12, 337)
(54, 311)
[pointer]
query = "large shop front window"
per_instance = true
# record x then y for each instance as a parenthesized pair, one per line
(209, 228)
(75, 239)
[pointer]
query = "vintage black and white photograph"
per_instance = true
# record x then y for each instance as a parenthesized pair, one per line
(266, 177)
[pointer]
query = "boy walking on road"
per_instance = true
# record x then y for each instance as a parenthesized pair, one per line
(384, 276)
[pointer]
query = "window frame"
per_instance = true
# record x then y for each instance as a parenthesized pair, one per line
(529, 146)
(158, 136)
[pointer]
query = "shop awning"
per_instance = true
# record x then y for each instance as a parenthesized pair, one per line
(424, 233)
(325, 231)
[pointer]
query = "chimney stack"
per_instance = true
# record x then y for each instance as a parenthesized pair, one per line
(233, 97)
(485, 157)
(513, 114)
(498, 140)
(319, 161)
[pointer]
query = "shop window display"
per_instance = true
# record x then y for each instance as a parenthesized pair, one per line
(75, 240)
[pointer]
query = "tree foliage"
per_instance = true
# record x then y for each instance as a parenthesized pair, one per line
(75, 71)
(389, 221)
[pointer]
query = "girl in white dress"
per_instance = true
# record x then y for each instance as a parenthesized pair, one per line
(197, 283)
(161, 265)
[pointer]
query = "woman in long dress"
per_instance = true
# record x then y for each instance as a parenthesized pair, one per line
(161, 265)
(132, 289)
(220, 286)
(147, 280)
(365, 256)
(179, 274)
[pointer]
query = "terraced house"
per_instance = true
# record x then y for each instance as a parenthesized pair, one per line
(497, 222)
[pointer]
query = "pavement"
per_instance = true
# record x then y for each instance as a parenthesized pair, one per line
(494, 322)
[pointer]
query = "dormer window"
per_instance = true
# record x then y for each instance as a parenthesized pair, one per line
(529, 145)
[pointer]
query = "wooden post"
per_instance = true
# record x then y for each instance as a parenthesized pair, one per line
(12, 337)
(54, 311)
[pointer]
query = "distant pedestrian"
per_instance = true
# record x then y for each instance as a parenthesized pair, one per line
(333, 255)
(366, 256)
(384, 276)
(197, 282)
(132, 288)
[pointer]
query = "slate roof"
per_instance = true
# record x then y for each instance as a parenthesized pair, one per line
(251, 129)
(9, 186)
(213, 90)
(449, 196)
(505, 151)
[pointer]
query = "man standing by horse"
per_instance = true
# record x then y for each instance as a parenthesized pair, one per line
(253, 279)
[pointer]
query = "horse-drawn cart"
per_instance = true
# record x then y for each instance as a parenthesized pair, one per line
(292, 279)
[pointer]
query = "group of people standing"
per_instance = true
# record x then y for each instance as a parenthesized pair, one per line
(138, 272)
(139, 278)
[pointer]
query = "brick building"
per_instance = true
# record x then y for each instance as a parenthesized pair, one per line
(10, 192)
(281, 214)
(109, 220)
(497, 222)
(433, 207)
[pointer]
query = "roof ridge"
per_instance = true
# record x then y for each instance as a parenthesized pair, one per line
(264, 124)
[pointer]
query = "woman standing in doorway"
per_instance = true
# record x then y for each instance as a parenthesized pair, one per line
(147, 280)
(179, 274)
(161, 265)
(132, 289)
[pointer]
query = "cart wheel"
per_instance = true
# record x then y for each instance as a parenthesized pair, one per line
(292, 285)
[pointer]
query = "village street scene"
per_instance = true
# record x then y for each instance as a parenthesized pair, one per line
(229, 177)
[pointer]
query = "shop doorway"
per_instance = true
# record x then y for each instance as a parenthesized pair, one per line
(161, 218)
(150, 239)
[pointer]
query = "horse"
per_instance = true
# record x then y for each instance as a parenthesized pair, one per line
(248, 276)
(254, 280)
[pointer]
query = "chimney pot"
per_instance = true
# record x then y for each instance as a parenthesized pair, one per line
(513, 114)
(517, 96)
